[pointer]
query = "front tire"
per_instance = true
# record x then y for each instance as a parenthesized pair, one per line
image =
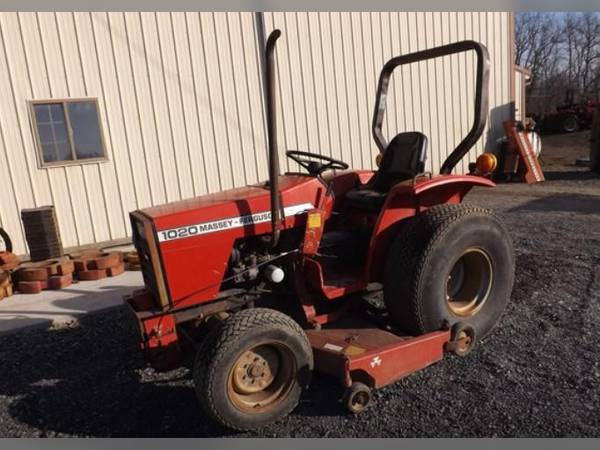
(252, 369)
(357, 398)
(453, 263)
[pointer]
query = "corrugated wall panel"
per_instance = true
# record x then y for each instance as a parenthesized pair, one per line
(104, 186)
(88, 175)
(518, 90)
(521, 78)
(121, 74)
(86, 226)
(64, 184)
(30, 187)
(123, 182)
(187, 95)
(250, 95)
(181, 101)
(345, 52)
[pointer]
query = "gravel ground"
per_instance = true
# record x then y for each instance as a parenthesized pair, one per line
(538, 374)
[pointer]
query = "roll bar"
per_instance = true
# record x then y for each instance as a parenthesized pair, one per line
(272, 137)
(481, 95)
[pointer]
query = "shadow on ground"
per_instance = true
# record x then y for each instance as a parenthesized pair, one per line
(570, 175)
(92, 381)
(573, 203)
(42, 310)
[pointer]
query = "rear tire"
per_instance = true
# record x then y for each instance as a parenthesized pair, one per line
(453, 263)
(252, 368)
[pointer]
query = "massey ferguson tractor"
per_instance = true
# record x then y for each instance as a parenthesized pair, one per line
(258, 286)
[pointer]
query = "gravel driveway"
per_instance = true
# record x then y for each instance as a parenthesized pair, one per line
(538, 374)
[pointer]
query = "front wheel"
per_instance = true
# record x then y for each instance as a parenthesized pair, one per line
(451, 264)
(252, 369)
(357, 398)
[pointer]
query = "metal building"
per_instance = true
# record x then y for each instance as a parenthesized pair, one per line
(104, 113)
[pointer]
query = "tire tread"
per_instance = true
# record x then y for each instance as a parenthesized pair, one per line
(220, 341)
(410, 254)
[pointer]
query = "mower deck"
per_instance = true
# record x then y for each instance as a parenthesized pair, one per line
(358, 351)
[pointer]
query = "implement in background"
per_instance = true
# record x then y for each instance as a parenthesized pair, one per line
(520, 155)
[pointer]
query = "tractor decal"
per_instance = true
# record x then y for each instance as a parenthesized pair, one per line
(376, 361)
(228, 223)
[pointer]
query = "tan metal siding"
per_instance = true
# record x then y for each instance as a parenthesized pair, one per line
(522, 77)
(181, 105)
(333, 60)
(180, 102)
(519, 81)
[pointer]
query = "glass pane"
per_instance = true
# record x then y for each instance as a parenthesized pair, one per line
(42, 113)
(56, 152)
(64, 151)
(60, 131)
(49, 153)
(45, 132)
(52, 132)
(57, 114)
(86, 129)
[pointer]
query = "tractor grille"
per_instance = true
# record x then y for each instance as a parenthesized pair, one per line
(146, 246)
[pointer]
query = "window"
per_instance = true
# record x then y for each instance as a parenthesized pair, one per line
(68, 131)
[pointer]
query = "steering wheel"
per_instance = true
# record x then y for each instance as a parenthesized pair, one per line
(305, 159)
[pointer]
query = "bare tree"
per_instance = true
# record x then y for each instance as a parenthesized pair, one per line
(583, 48)
(537, 42)
(563, 52)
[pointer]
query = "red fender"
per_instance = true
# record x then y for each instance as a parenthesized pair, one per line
(407, 200)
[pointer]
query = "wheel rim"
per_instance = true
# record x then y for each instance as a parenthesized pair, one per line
(359, 400)
(465, 342)
(469, 282)
(261, 377)
(570, 124)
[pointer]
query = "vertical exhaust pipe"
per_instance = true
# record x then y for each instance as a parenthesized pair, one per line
(272, 138)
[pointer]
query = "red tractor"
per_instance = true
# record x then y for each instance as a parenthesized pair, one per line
(260, 285)
(568, 117)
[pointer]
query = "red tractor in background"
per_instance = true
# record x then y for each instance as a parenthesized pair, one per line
(261, 285)
(568, 117)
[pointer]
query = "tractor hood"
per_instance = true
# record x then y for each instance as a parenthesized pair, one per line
(185, 207)
(297, 192)
(196, 236)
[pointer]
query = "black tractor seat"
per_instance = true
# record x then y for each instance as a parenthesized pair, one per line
(365, 199)
(403, 159)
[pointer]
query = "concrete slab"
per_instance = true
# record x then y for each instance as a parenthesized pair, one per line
(55, 308)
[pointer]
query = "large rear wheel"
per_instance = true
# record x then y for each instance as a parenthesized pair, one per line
(252, 368)
(453, 263)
